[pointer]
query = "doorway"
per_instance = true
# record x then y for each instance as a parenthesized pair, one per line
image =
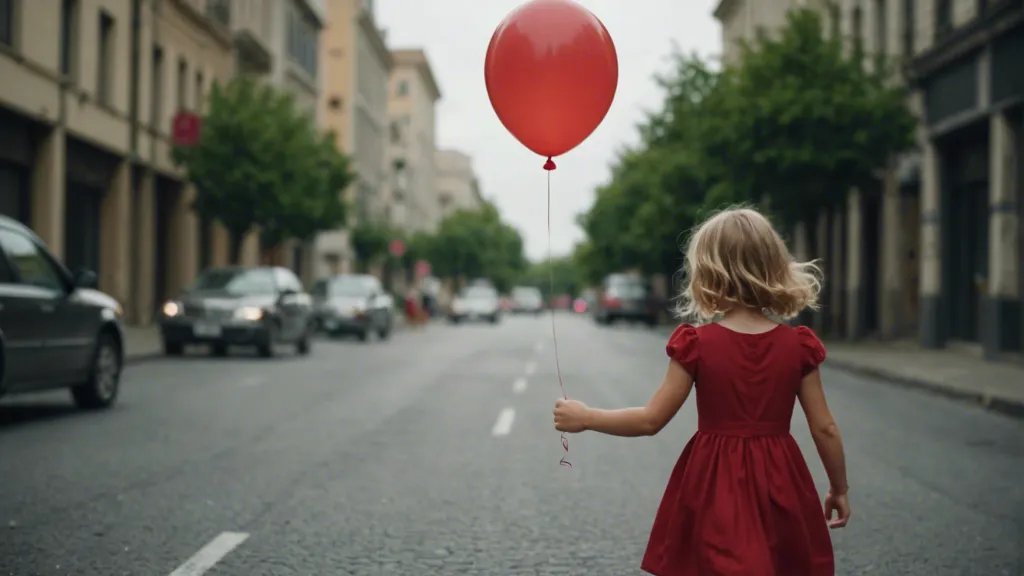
(167, 193)
(871, 264)
(82, 226)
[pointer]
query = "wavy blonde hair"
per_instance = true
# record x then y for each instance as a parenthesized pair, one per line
(737, 259)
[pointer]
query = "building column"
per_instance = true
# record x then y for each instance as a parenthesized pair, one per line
(1001, 329)
(49, 176)
(933, 333)
(892, 253)
(184, 237)
(115, 236)
(819, 321)
(250, 253)
(221, 246)
(144, 303)
(854, 266)
(836, 275)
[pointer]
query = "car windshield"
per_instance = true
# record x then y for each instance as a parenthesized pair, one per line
(351, 286)
(626, 289)
(526, 294)
(479, 293)
(240, 282)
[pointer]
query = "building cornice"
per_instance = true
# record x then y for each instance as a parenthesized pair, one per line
(221, 34)
(723, 9)
(418, 58)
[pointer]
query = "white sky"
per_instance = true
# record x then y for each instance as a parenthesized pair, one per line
(455, 34)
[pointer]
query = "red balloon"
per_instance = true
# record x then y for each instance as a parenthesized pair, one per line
(551, 73)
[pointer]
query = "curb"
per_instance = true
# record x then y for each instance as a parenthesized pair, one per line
(1004, 406)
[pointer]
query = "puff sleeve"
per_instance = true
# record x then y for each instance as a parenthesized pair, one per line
(812, 351)
(683, 347)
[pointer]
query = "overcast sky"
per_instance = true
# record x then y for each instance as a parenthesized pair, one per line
(455, 34)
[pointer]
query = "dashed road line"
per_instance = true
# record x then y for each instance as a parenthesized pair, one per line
(531, 368)
(210, 554)
(519, 386)
(504, 423)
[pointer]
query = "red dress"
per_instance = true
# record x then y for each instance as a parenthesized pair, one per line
(741, 501)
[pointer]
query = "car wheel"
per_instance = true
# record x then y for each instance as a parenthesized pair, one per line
(219, 349)
(495, 319)
(100, 390)
(385, 331)
(173, 348)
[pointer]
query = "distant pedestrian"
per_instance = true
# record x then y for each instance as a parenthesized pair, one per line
(414, 314)
(741, 500)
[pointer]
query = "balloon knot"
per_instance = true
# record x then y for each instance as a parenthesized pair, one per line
(550, 164)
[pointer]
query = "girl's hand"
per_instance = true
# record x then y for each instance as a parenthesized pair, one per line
(840, 505)
(570, 415)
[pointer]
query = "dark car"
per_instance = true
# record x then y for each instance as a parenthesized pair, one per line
(353, 304)
(56, 331)
(238, 306)
(625, 297)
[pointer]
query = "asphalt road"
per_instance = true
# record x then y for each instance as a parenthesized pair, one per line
(433, 453)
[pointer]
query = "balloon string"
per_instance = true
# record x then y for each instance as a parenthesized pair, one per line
(554, 333)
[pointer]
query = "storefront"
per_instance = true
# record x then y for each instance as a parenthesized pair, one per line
(16, 158)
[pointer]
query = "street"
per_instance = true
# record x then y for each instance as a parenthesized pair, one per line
(434, 453)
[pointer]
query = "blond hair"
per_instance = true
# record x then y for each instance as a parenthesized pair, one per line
(736, 259)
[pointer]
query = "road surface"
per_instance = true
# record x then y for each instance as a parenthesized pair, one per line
(434, 453)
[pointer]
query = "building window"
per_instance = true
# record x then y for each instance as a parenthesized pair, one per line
(303, 36)
(943, 17)
(7, 22)
(105, 67)
(182, 84)
(881, 27)
(69, 38)
(835, 20)
(909, 21)
(200, 96)
(858, 30)
(157, 88)
(403, 88)
(219, 11)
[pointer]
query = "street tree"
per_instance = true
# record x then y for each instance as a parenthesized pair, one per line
(801, 120)
(370, 240)
(477, 244)
(260, 163)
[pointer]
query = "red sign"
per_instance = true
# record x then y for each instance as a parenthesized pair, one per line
(396, 248)
(422, 268)
(185, 129)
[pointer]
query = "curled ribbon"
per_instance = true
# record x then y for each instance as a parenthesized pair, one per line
(549, 166)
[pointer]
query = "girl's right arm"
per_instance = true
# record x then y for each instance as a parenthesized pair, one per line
(824, 431)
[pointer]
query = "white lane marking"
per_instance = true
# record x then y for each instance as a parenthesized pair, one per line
(210, 554)
(252, 381)
(504, 423)
(531, 368)
(538, 347)
(519, 386)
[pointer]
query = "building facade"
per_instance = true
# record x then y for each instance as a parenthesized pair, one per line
(279, 40)
(412, 97)
(353, 104)
(457, 186)
(934, 251)
(90, 89)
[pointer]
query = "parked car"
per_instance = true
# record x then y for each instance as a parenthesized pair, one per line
(527, 300)
(624, 297)
(56, 330)
(236, 306)
(353, 304)
(474, 303)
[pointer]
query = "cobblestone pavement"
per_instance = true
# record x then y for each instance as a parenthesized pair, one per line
(426, 454)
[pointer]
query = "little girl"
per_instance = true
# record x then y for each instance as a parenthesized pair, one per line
(740, 501)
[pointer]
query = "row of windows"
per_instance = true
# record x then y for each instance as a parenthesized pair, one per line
(943, 24)
(105, 81)
(303, 36)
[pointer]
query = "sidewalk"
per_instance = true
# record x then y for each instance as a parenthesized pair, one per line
(998, 386)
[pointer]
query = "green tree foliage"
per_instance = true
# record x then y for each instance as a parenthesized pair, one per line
(261, 163)
(796, 123)
(801, 121)
(370, 241)
(476, 244)
(564, 273)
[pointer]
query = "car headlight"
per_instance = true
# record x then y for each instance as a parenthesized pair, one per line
(118, 310)
(172, 309)
(249, 313)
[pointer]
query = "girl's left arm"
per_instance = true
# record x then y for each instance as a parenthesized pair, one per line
(650, 419)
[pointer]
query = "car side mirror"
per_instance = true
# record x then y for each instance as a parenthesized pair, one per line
(286, 293)
(85, 279)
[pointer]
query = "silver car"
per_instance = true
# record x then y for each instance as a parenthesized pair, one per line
(237, 306)
(476, 303)
(353, 304)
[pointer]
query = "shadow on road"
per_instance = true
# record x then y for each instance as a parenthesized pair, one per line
(22, 413)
